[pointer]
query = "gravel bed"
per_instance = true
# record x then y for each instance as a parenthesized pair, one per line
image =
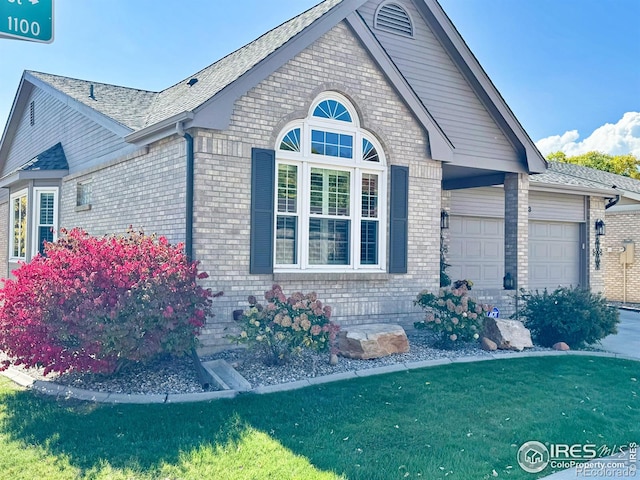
(178, 375)
(311, 364)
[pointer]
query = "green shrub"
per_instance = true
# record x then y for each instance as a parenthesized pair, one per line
(571, 315)
(452, 313)
(285, 326)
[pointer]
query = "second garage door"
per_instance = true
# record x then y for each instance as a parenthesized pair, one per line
(554, 254)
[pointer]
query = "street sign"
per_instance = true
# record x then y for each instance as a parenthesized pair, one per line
(30, 20)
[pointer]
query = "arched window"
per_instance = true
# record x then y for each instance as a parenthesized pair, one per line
(331, 192)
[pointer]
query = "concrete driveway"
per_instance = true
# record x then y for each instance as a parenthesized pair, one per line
(627, 340)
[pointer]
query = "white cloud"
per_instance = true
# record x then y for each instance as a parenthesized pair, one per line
(615, 139)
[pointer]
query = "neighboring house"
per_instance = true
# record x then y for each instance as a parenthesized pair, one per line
(620, 258)
(322, 156)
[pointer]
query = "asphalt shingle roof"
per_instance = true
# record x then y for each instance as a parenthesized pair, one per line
(137, 109)
(211, 80)
(51, 159)
(127, 106)
(570, 174)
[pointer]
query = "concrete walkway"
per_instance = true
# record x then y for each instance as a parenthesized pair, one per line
(627, 341)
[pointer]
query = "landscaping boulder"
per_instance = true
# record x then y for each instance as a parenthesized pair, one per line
(372, 341)
(488, 345)
(563, 347)
(507, 334)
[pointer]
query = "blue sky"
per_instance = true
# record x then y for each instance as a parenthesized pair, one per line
(569, 69)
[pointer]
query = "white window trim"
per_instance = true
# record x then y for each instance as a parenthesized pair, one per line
(305, 161)
(37, 191)
(19, 194)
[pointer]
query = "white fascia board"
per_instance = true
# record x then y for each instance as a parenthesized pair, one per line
(572, 189)
(31, 175)
(624, 209)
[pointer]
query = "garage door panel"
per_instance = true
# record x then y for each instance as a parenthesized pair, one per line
(477, 250)
(492, 227)
(473, 248)
(473, 227)
(492, 250)
(554, 254)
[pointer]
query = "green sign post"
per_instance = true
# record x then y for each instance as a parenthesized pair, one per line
(30, 20)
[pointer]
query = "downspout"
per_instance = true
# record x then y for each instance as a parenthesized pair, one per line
(612, 202)
(188, 235)
(203, 376)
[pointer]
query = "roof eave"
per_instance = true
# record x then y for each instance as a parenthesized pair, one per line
(23, 175)
(22, 94)
(100, 118)
(469, 65)
(159, 130)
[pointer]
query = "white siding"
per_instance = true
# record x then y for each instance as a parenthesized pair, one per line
(556, 207)
(442, 88)
(478, 202)
(83, 140)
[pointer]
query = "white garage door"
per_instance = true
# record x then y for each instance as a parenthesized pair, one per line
(476, 250)
(554, 254)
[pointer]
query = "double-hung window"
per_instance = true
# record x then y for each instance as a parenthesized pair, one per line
(45, 217)
(330, 193)
(18, 226)
(34, 220)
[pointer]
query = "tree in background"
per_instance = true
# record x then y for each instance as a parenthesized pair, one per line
(627, 165)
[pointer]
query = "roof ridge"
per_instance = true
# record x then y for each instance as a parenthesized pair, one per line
(36, 74)
(245, 64)
(243, 47)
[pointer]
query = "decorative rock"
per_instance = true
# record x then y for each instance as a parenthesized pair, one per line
(333, 359)
(488, 345)
(372, 341)
(561, 346)
(507, 334)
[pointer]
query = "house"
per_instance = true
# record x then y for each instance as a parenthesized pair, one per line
(324, 156)
(619, 258)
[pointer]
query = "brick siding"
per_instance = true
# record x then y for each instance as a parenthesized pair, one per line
(621, 226)
(222, 193)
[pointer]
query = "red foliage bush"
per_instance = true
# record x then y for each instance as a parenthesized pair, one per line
(92, 304)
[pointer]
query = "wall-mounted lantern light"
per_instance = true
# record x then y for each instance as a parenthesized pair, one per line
(508, 282)
(597, 252)
(444, 220)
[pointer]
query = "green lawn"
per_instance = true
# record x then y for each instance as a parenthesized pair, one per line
(460, 421)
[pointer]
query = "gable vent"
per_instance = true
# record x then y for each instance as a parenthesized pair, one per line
(391, 17)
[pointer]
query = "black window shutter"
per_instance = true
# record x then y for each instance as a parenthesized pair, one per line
(399, 219)
(263, 177)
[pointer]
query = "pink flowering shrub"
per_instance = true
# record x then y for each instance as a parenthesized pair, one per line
(452, 313)
(284, 326)
(92, 304)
